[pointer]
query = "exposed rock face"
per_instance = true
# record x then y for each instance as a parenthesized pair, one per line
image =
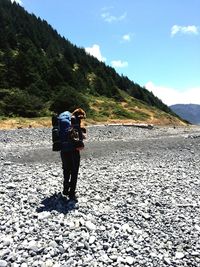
(138, 199)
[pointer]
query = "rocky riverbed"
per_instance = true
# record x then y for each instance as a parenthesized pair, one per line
(139, 199)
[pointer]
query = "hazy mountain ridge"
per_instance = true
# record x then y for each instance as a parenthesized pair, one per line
(189, 112)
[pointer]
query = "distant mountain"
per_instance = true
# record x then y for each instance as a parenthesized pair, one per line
(41, 71)
(189, 112)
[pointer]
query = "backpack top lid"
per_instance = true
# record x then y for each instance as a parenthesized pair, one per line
(65, 115)
(65, 120)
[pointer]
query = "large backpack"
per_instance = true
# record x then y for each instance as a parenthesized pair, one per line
(61, 125)
(64, 136)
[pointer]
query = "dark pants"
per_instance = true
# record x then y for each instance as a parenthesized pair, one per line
(70, 165)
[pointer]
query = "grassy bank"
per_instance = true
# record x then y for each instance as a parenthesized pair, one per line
(105, 110)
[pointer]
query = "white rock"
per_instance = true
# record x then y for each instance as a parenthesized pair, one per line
(59, 238)
(31, 244)
(3, 263)
(153, 254)
(77, 224)
(130, 260)
(44, 215)
(71, 224)
(90, 226)
(179, 255)
(97, 197)
(138, 231)
(126, 228)
(48, 263)
(7, 240)
(104, 258)
(53, 244)
(129, 200)
(66, 245)
(85, 235)
(88, 258)
(81, 221)
(167, 260)
(146, 215)
(197, 227)
(92, 239)
(120, 259)
(14, 264)
(195, 253)
(113, 257)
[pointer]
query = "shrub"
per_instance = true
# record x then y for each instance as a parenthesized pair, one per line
(21, 103)
(68, 98)
(120, 112)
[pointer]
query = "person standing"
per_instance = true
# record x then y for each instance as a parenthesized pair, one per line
(71, 144)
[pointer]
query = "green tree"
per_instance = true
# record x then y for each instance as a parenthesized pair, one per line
(99, 86)
(22, 104)
(40, 89)
(54, 77)
(68, 98)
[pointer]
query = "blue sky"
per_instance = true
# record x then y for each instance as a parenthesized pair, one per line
(156, 43)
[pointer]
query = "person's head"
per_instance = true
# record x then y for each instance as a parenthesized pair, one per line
(80, 113)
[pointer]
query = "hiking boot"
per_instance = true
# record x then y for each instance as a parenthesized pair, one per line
(73, 197)
(65, 193)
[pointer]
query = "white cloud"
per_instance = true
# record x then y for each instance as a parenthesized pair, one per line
(17, 1)
(184, 30)
(126, 37)
(108, 17)
(171, 96)
(95, 51)
(119, 64)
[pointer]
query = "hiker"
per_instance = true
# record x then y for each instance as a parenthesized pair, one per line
(70, 152)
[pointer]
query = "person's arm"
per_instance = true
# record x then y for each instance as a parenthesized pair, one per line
(84, 133)
(76, 124)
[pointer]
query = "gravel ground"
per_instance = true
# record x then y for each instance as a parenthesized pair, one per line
(139, 202)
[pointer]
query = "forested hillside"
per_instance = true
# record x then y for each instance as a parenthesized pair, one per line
(40, 71)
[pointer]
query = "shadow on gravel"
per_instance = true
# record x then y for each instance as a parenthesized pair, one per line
(57, 203)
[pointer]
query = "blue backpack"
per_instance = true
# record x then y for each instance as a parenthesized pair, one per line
(64, 136)
(61, 125)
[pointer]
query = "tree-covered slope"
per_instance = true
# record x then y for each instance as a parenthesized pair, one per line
(42, 71)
